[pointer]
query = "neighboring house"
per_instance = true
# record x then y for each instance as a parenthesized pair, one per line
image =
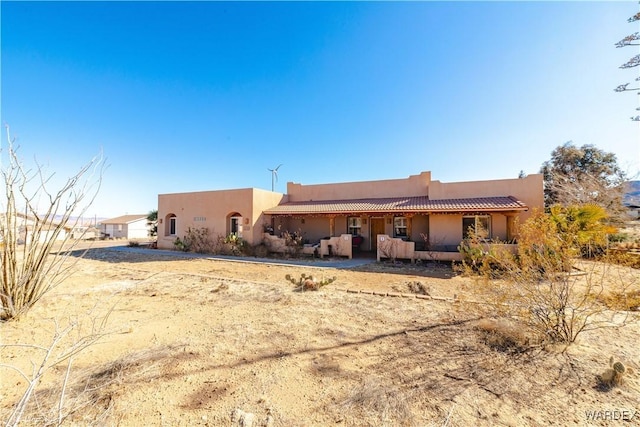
(126, 227)
(85, 232)
(633, 210)
(433, 214)
(30, 229)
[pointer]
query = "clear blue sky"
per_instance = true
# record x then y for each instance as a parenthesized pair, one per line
(209, 95)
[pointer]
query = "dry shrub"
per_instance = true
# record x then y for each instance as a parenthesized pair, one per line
(198, 240)
(34, 219)
(539, 288)
(505, 335)
(52, 406)
(88, 396)
(418, 287)
(389, 249)
(260, 250)
(621, 256)
(387, 404)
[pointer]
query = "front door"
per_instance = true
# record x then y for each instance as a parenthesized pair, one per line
(377, 227)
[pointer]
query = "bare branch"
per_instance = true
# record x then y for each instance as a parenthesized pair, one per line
(35, 225)
(633, 62)
(627, 41)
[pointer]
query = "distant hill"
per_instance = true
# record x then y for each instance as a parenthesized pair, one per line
(632, 193)
(87, 220)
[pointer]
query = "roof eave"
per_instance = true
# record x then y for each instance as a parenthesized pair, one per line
(388, 212)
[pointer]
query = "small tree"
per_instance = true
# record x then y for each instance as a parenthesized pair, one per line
(34, 224)
(584, 227)
(584, 175)
(152, 222)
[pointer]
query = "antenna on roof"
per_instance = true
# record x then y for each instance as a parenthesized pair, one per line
(274, 176)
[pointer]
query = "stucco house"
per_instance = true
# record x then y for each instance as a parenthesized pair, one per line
(125, 227)
(31, 229)
(413, 214)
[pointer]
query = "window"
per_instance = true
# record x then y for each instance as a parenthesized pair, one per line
(354, 225)
(481, 225)
(172, 226)
(400, 226)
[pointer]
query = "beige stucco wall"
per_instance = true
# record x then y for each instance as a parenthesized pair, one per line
(419, 226)
(312, 228)
(499, 227)
(415, 185)
(445, 229)
(211, 209)
(528, 190)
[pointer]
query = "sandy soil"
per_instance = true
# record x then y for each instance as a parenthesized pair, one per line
(222, 343)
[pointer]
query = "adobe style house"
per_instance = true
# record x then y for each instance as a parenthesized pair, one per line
(125, 227)
(412, 215)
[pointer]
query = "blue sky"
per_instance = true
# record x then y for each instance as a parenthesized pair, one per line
(197, 96)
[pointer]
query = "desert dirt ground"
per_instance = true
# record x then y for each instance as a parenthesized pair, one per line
(193, 341)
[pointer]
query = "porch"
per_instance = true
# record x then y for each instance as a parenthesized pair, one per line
(341, 246)
(394, 248)
(412, 228)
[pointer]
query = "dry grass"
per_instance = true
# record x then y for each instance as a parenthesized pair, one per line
(377, 403)
(625, 301)
(91, 392)
(205, 339)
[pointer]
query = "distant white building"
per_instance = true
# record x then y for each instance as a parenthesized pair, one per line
(31, 229)
(634, 211)
(126, 227)
(85, 232)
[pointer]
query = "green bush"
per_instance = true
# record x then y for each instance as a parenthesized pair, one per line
(309, 283)
(234, 245)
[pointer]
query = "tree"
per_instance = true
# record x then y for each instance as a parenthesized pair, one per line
(583, 175)
(630, 40)
(152, 222)
(35, 244)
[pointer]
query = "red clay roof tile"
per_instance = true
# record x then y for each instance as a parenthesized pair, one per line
(398, 205)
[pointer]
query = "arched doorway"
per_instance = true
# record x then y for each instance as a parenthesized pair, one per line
(234, 224)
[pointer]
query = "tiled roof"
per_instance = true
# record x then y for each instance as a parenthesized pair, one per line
(398, 205)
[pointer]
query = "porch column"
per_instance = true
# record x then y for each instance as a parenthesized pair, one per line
(409, 225)
(510, 227)
(332, 226)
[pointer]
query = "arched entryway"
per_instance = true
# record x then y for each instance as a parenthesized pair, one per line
(170, 225)
(234, 224)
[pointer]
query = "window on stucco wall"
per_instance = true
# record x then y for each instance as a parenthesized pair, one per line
(400, 226)
(354, 225)
(170, 225)
(481, 225)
